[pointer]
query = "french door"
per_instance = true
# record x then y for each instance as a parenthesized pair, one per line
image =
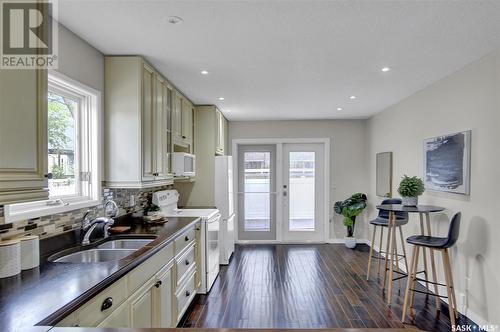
(303, 188)
(281, 192)
(257, 192)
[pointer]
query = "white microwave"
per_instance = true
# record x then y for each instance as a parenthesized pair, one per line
(183, 164)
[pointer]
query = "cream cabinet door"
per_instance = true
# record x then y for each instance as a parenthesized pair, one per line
(160, 129)
(141, 309)
(148, 118)
(119, 318)
(163, 298)
(177, 118)
(23, 135)
(187, 122)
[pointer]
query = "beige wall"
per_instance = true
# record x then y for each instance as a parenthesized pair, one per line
(79, 60)
(348, 168)
(468, 99)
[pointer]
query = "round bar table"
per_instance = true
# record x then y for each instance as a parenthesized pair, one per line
(423, 211)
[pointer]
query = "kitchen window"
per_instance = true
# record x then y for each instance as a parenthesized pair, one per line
(73, 150)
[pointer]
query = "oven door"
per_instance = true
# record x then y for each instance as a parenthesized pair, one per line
(212, 250)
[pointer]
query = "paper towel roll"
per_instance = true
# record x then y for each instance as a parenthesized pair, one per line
(30, 252)
(10, 258)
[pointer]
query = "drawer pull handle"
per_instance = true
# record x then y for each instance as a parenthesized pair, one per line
(188, 293)
(187, 262)
(107, 303)
(158, 284)
(186, 238)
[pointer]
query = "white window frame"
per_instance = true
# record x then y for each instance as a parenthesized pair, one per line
(89, 140)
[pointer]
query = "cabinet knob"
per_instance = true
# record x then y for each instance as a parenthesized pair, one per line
(186, 238)
(188, 293)
(107, 303)
(187, 262)
(158, 284)
(183, 136)
(48, 176)
(156, 174)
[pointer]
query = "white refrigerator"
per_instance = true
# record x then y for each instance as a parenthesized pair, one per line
(224, 201)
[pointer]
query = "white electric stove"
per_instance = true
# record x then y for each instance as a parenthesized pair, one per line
(167, 201)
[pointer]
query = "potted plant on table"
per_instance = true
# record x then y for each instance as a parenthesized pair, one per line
(350, 209)
(409, 189)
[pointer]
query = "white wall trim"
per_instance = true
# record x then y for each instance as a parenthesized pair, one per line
(279, 142)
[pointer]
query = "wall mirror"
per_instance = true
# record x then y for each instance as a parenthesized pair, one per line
(384, 174)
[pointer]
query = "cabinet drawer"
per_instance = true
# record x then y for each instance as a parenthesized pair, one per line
(94, 311)
(138, 276)
(184, 263)
(185, 295)
(184, 240)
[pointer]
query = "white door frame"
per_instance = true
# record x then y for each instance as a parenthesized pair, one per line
(279, 165)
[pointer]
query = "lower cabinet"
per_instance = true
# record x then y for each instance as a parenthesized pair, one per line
(141, 308)
(147, 297)
(163, 297)
(118, 318)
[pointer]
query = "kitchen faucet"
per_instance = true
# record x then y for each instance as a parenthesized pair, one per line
(88, 225)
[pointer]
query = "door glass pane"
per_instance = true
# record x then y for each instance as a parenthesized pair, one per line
(61, 123)
(257, 185)
(301, 191)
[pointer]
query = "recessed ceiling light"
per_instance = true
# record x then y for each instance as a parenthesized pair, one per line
(352, 97)
(228, 111)
(385, 69)
(174, 19)
(340, 109)
(221, 98)
(204, 72)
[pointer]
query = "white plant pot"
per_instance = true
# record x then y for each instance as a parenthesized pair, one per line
(410, 201)
(350, 242)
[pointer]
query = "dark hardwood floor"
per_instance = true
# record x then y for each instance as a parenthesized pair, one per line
(306, 286)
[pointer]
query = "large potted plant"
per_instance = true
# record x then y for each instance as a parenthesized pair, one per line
(409, 189)
(350, 209)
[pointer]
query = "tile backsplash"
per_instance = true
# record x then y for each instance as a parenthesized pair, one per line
(57, 223)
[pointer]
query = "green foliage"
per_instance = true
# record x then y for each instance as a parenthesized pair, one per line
(59, 120)
(350, 209)
(411, 186)
(57, 172)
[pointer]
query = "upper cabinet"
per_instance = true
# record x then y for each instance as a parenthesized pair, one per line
(137, 106)
(210, 136)
(23, 136)
(182, 128)
(221, 133)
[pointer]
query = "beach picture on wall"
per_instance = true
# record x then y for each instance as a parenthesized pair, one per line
(447, 163)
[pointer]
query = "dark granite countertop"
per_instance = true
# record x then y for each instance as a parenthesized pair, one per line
(46, 294)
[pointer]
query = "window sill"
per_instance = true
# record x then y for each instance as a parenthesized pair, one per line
(23, 211)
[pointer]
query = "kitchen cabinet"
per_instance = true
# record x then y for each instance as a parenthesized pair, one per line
(210, 137)
(118, 318)
(137, 104)
(221, 133)
(23, 136)
(154, 294)
(183, 122)
(163, 299)
(141, 307)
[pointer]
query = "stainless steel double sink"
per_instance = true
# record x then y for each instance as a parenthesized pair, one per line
(112, 250)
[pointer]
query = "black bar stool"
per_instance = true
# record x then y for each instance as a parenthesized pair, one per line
(439, 244)
(382, 221)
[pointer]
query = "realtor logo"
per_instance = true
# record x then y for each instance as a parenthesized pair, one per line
(29, 34)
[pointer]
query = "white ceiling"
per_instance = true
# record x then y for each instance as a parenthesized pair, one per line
(293, 59)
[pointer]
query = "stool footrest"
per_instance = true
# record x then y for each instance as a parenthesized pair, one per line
(428, 293)
(430, 282)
